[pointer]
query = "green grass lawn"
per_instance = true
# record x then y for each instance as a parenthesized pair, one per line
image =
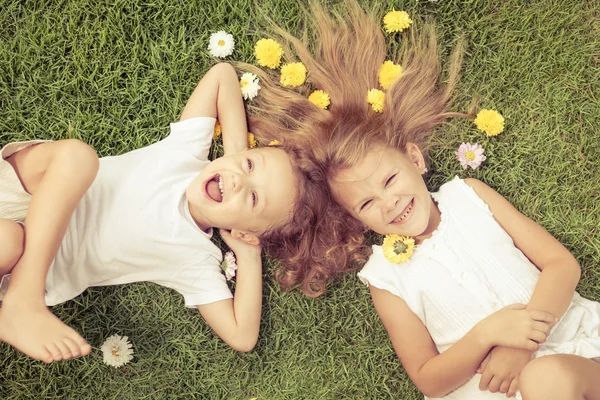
(115, 73)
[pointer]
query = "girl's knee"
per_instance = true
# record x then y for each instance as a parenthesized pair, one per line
(548, 378)
(12, 239)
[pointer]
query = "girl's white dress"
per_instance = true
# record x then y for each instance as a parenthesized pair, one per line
(466, 271)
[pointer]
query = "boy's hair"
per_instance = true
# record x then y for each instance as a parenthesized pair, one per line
(349, 48)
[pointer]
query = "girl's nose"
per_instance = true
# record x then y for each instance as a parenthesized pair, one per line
(236, 182)
(390, 202)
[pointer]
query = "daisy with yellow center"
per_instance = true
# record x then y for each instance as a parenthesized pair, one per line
(293, 74)
(397, 248)
(320, 99)
(490, 121)
(221, 44)
(268, 53)
(388, 73)
(396, 21)
(251, 140)
(376, 99)
(217, 131)
(249, 86)
(470, 155)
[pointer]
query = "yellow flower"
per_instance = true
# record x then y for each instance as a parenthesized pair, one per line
(397, 249)
(376, 99)
(396, 21)
(274, 142)
(388, 72)
(490, 122)
(293, 74)
(320, 99)
(251, 140)
(268, 53)
(217, 132)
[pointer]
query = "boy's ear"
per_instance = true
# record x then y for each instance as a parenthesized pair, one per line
(413, 152)
(247, 237)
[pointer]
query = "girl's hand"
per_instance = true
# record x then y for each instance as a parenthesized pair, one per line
(516, 327)
(501, 369)
(240, 247)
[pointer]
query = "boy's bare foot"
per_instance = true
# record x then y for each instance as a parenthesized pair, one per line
(34, 330)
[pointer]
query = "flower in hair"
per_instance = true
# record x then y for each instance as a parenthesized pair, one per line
(397, 248)
(251, 140)
(221, 44)
(117, 351)
(217, 131)
(320, 99)
(490, 121)
(470, 155)
(249, 86)
(268, 53)
(376, 99)
(274, 142)
(293, 74)
(396, 21)
(388, 73)
(229, 265)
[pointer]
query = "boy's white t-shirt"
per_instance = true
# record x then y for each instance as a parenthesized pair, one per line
(134, 224)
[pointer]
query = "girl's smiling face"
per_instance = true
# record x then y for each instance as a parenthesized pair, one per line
(386, 192)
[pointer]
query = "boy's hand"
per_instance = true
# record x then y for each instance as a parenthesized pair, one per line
(501, 368)
(240, 247)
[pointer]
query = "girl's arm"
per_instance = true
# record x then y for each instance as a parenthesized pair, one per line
(560, 271)
(237, 320)
(218, 95)
(438, 374)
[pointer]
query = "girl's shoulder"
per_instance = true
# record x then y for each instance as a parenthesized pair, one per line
(458, 194)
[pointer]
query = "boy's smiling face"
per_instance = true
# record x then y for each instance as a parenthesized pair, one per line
(249, 191)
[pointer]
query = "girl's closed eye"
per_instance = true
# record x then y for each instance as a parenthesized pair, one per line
(390, 180)
(366, 204)
(250, 165)
(254, 199)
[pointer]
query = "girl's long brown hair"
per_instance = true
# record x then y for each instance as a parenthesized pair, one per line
(348, 47)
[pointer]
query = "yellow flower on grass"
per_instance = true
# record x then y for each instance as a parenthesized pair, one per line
(268, 53)
(251, 140)
(490, 122)
(388, 73)
(274, 142)
(396, 21)
(397, 249)
(376, 99)
(217, 131)
(293, 74)
(320, 99)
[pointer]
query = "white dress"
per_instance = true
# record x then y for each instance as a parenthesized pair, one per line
(469, 269)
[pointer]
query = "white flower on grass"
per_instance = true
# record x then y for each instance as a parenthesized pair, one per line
(117, 351)
(221, 44)
(230, 265)
(249, 86)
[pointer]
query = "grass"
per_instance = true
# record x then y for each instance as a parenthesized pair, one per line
(115, 73)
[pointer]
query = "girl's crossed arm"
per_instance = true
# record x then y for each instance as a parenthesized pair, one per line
(218, 95)
(438, 374)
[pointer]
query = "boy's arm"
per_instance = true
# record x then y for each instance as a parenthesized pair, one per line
(237, 320)
(218, 95)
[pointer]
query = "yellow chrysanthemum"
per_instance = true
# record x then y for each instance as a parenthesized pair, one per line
(274, 142)
(376, 99)
(490, 121)
(251, 140)
(388, 73)
(293, 74)
(396, 21)
(217, 131)
(320, 99)
(268, 53)
(397, 249)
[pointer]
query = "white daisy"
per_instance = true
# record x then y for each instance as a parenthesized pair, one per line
(117, 351)
(249, 86)
(221, 44)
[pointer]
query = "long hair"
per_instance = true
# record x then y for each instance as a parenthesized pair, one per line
(348, 47)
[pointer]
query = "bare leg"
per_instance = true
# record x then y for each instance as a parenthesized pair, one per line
(561, 376)
(57, 175)
(12, 241)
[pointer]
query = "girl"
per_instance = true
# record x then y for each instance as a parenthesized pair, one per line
(69, 221)
(476, 255)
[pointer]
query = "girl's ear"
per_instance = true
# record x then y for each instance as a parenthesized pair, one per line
(247, 237)
(414, 154)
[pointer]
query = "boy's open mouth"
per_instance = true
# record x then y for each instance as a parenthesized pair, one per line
(214, 188)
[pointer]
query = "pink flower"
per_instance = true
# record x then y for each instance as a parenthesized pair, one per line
(470, 155)
(230, 264)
